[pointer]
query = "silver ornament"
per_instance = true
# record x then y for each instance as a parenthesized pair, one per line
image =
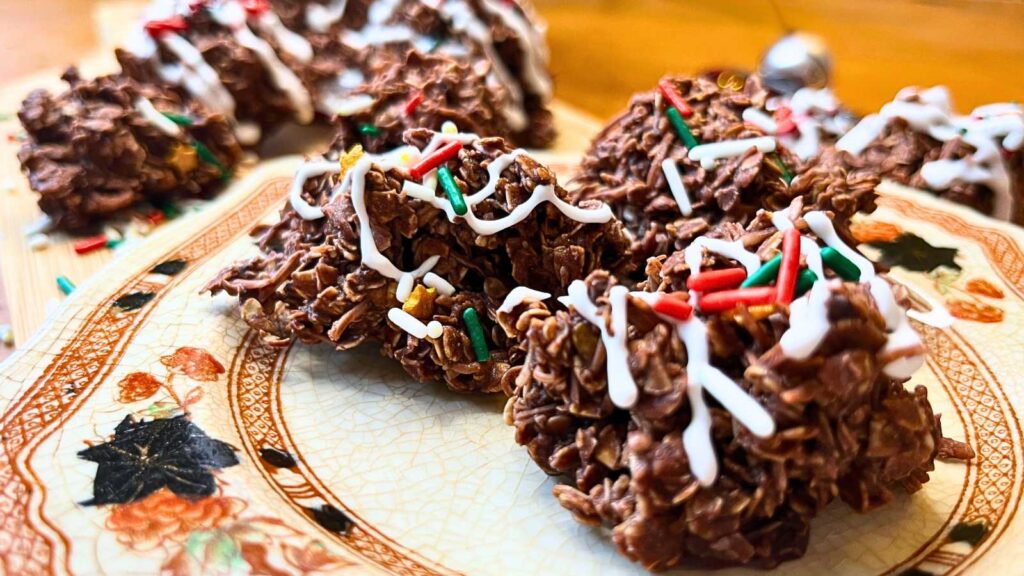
(796, 61)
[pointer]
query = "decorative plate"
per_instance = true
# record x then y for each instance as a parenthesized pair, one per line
(305, 460)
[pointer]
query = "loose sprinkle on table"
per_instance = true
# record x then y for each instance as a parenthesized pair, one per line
(66, 286)
(90, 244)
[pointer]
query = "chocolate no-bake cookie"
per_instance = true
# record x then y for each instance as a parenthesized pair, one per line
(919, 141)
(369, 249)
(708, 418)
(682, 158)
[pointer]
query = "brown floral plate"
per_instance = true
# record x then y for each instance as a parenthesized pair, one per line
(146, 430)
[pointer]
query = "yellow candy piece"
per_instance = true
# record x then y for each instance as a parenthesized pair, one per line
(730, 81)
(421, 302)
(183, 158)
(449, 127)
(349, 159)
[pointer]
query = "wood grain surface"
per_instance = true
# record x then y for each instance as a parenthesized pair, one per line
(602, 51)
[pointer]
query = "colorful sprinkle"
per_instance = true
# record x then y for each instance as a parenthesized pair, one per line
(255, 7)
(451, 188)
(207, 156)
(713, 280)
(66, 286)
(179, 119)
(449, 127)
(90, 244)
(673, 306)
(671, 93)
(155, 217)
(476, 334)
(729, 299)
(804, 282)
(157, 28)
(681, 128)
(369, 130)
(440, 156)
(789, 270)
(169, 209)
(839, 264)
(7, 334)
(765, 274)
(412, 103)
(787, 176)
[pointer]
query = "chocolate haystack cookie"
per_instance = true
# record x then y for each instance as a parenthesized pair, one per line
(919, 141)
(107, 144)
(436, 251)
(681, 159)
(709, 418)
(255, 65)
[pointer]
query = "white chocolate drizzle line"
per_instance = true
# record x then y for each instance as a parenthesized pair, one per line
(707, 154)
(521, 294)
(438, 283)
(809, 322)
(814, 112)
(290, 42)
(154, 117)
(320, 17)
(230, 14)
(621, 386)
(985, 129)
(413, 326)
(675, 184)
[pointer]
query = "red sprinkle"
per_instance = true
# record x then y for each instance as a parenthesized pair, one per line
(672, 305)
(156, 28)
(713, 280)
(412, 103)
(255, 7)
(789, 269)
(784, 122)
(90, 244)
(669, 90)
(155, 217)
(440, 156)
(729, 299)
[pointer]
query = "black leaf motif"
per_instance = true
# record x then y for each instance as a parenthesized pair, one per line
(146, 456)
(972, 532)
(169, 267)
(914, 253)
(277, 458)
(133, 301)
(331, 518)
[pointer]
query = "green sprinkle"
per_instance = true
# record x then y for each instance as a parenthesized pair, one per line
(681, 128)
(805, 280)
(169, 209)
(369, 130)
(179, 119)
(114, 242)
(787, 176)
(66, 286)
(452, 190)
(765, 274)
(476, 335)
(207, 156)
(839, 264)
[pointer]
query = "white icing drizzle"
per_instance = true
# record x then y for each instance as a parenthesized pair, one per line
(198, 77)
(709, 153)
(154, 117)
(531, 44)
(814, 111)
(621, 386)
(735, 250)
(406, 282)
(320, 17)
(290, 42)
(809, 315)
(520, 294)
(761, 120)
(346, 106)
(310, 169)
(675, 184)
(230, 14)
(408, 322)
(986, 129)
(438, 283)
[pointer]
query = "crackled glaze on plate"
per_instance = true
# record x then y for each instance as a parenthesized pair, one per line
(339, 462)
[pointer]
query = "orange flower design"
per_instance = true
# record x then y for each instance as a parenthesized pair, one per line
(984, 288)
(137, 386)
(875, 231)
(312, 557)
(976, 311)
(164, 516)
(194, 363)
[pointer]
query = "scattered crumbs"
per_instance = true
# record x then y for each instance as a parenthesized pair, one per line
(7, 335)
(38, 241)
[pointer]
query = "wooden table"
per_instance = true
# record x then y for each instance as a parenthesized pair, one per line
(976, 48)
